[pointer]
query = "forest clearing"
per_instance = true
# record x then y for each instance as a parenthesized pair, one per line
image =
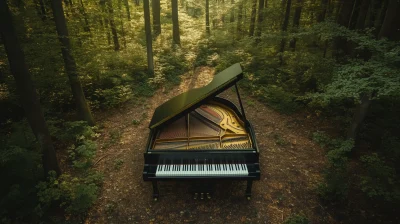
(81, 81)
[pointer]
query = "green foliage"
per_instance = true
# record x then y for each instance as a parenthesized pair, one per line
(20, 168)
(379, 180)
(297, 219)
(109, 98)
(277, 98)
(74, 194)
(334, 187)
(118, 164)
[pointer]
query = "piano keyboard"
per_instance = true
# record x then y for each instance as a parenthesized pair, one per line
(188, 170)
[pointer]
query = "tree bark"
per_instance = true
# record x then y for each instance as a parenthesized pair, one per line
(296, 22)
(70, 65)
(284, 29)
(253, 17)
(207, 17)
(232, 16)
(260, 19)
(156, 17)
(26, 90)
(323, 8)
(83, 12)
(112, 25)
(149, 44)
(128, 12)
(362, 14)
(175, 23)
(391, 12)
(380, 16)
(239, 30)
(359, 116)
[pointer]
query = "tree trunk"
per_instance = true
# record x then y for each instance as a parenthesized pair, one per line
(175, 22)
(232, 16)
(106, 21)
(112, 25)
(345, 13)
(83, 12)
(359, 116)
(149, 44)
(323, 8)
(296, 22)
(239, 20)
(207, 17)
(284, 29)
(69, 61)
(122, 23)
(128, 12)
(371, 14)
(26, 90)
(156, 17)
(391, 12)
(380, 17)
(260, 19)
(253, 17)
(137, 2)
(43, 10)
(362, 14)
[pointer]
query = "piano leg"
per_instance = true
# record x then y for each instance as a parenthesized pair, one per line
(248, 189)
(155, 190)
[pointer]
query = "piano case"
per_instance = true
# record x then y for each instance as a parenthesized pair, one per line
(201, 137)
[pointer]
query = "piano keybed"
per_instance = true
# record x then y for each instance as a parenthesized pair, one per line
(211, 126)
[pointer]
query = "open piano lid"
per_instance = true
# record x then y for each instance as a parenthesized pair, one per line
(189, 100)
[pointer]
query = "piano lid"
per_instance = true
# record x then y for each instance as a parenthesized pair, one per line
(187, 100)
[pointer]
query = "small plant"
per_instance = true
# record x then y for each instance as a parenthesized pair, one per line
(279, 140)
(135, 122)
(110, 207)
(118, 164)
(297, 219)
(115, 136)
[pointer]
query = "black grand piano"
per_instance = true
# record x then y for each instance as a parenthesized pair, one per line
(202, 137)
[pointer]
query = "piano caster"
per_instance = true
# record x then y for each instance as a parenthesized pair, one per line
(195, 196)
(202, 196)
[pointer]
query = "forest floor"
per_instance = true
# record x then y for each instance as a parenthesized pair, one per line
(291, 167)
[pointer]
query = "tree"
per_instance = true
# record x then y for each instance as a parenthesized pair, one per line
(149, 46)
(175, 23)
(260, 19)
(207, 17)
(156, 17)
(232, 16)
(323, 8)
(362, 14)
(70, 64)
(112, 25)
(296, 22)
(85, 17)
(128, 12)
(26, 90)
(284, 29)
(253, 17)
(239, 30)
(391, 12)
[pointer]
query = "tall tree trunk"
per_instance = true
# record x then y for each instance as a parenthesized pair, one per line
(122, 23)
(232, 16)
(106, 21)
(362, 14)
(83, 12)
(70, 65)
(43, 11)
(112, 25)
(341, 47)
(175, 22)
(137, 2)
(391, 11)
(253, 17)
(149, 44)
(359, 115)
(260, 19)
(323, 8)
(207, 17)
(26, 90)
(239, 30)
(380, 16)
(371, 14)
(296, 22)
(284, 29)
(156, 17)
(128, 12)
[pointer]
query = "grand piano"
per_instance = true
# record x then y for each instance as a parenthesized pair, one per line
(199, 136)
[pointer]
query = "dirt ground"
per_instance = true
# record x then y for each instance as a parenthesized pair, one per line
(291, 165)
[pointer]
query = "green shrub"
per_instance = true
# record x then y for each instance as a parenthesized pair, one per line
(297, 219)
(74, 194)
(278, 99)
(379, 180)
(109, 98)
